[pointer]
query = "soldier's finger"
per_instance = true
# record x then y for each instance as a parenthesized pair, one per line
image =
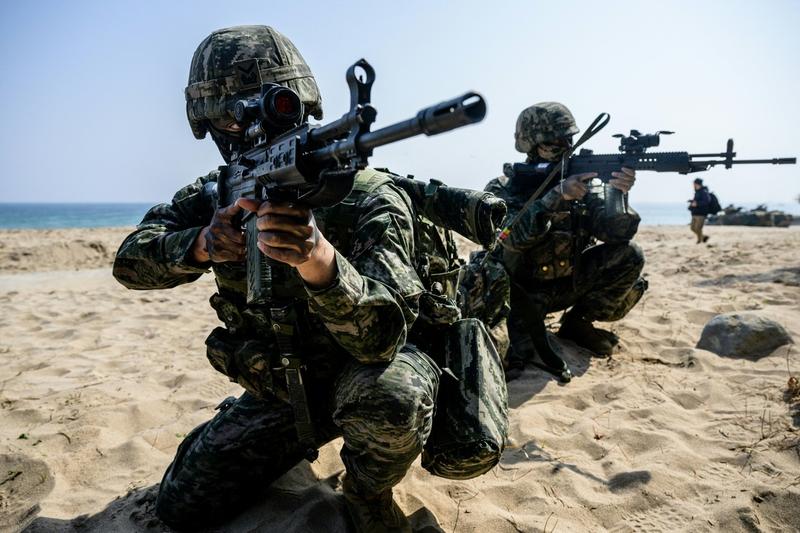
(285, 224)
(623, 186)
(248, 204)
(282, 240)
(229, 255)
(584, 177)
(228, 234)
(235, 240)
(225, 242)
(623, 176)
(282, 254)
(285, 209)
(629, 171)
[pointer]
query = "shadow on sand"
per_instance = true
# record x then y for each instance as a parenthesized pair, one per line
(530, 452)
(297, 502)
(534, 379)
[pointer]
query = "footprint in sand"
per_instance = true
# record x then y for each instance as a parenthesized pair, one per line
(661, 519)
(24, 482)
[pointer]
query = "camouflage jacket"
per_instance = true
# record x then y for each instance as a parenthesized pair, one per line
(545, 238)
(366, 313)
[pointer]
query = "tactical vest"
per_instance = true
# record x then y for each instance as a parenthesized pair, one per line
(243, 349)
(557, 255)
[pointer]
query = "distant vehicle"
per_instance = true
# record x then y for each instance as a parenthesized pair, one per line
(760, 216)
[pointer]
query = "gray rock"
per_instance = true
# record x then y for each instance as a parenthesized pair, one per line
(742, 335)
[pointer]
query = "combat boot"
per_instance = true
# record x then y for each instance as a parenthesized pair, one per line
(374, 513)
(584, 334)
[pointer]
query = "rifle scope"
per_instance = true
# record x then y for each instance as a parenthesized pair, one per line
(278, 107)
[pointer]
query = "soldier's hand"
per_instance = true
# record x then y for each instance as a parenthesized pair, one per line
(623, 180)
(222, 240)
(574, 187)
(288, 233)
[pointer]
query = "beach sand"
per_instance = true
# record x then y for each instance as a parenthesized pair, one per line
(101, 384)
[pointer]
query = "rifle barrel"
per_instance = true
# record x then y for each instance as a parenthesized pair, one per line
(445, 116)
(773, 161)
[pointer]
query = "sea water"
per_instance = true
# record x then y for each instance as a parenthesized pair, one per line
(44, 216)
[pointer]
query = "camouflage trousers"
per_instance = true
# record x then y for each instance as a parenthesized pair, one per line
(606, 288)
(384, 412)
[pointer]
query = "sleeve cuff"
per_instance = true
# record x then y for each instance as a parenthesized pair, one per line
(552, 200)
(341, 296)
(179, 246)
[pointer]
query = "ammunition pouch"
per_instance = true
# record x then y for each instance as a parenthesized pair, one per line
(247, 349)
(485, 290)
(437, 305)
(471, 420)
(552, 259)
(246, 362)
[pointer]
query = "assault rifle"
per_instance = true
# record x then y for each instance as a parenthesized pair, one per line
(316, 164)
(633, 154)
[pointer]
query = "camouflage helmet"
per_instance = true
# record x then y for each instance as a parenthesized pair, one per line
(544, 122)
(233, 62)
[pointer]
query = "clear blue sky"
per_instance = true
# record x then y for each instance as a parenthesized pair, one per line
(92, 92)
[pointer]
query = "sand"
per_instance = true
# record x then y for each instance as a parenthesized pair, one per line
(101, 384)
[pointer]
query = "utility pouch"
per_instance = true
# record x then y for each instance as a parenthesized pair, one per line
(553, 259)
(485, 290)
(227, 312)
(220, 348)
(254, 370)
(471, 421)
(246, 362)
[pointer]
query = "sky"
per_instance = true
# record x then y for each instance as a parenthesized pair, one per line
(92, 92)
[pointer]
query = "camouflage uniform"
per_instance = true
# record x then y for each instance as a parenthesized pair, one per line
(352, 338)
(551, 254)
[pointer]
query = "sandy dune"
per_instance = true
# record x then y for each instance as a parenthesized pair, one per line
(101, 384)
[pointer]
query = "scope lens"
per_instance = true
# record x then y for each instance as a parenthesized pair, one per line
(285, 105)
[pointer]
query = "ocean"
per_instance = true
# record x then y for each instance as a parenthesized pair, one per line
(48, 216)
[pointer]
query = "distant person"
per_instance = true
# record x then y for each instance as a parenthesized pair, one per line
(699, 207)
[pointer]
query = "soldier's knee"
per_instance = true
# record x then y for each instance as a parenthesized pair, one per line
(388, 407)
(174, 502)
(173, 512)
